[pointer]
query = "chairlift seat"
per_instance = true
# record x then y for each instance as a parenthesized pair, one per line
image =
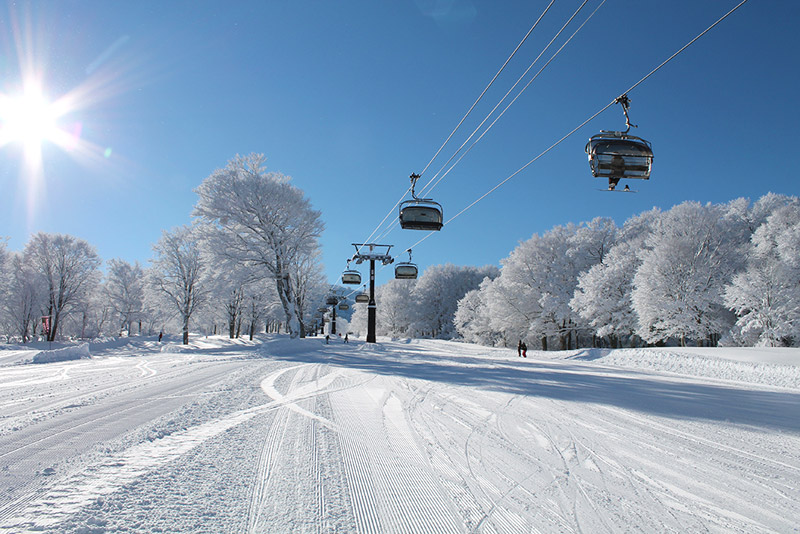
(344, 306)
(405, 271)
(362, 298)
(619, 155)
(351, 277)
(331, 301)
(421, 214)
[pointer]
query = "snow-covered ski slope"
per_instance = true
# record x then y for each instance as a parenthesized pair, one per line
(402, 436)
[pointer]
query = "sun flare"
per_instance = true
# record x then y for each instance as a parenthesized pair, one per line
(28, 118)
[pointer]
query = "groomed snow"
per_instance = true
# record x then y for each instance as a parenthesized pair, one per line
(282, 435)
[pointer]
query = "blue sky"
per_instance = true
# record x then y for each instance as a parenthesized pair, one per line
(350, 97)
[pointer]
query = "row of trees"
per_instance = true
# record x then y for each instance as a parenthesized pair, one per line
(693, 274)
(696, 273)
(250, 259)
(424, 307)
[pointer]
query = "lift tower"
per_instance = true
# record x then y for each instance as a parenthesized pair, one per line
(376, 253)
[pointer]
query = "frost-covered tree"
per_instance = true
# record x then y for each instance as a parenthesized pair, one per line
(437, 293)
(603, 294)
(473, 320)
(766, 296)
(176, 273)
(395, 301)
(23, 297)
(538, 280)
(124, 291)
(68, 267)
(309, 285)
(691, 255)
(258, 218)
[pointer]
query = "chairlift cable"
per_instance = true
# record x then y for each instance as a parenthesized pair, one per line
(584, 123)
(428, 186)
(487, 87)
(391, 227)
(518, 94)
(390, 212)
(687, 45)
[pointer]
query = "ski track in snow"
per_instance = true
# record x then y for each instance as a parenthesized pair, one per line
(424, 436)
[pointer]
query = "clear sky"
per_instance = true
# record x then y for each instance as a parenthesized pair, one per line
(350, 97)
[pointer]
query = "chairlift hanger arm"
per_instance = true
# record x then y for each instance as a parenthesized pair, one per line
(625, 102)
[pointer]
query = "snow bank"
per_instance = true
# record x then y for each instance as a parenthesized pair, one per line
(63, 355)
(712, 363)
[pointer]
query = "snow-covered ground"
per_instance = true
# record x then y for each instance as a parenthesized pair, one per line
(288, 435)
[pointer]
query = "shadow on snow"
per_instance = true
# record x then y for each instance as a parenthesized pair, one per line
(567, 381)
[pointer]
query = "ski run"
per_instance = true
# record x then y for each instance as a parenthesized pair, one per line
(296, 435)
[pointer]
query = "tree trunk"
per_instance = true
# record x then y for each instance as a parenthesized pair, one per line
(186, 330)
(284, 288)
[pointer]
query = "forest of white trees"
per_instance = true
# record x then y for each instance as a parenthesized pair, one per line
(248, 262)
(695, 274)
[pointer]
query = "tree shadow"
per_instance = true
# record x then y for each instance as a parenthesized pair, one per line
(640, 391)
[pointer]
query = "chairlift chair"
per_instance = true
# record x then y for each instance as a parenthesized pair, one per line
(344, 306)
(420, 213)
(618, 155)
(351, 277)
(362, 298)
(331, 301)
(405, 270)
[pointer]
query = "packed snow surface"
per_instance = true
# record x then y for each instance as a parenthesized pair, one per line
(282, 435)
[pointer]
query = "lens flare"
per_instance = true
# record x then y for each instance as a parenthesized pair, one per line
(28, 118)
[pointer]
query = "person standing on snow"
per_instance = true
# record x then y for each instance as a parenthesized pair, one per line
(519, 348)
(524, 349)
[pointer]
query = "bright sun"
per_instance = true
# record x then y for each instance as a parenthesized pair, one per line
(29, 119)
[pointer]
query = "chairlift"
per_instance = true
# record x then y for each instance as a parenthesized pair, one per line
(618, 155)
(362, 297)
(322, 309)
(344, 306)
(405, 270)
(331, 301)
(351, 276)
(420, 213)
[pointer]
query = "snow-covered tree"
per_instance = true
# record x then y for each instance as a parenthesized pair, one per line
(472, 319)
(176, 273)
(395, 301)
(539, 278)
(603, 294)
(68, 267)
(260, 219)
(23, 297)
(124, 290)
(437, 293)
(692, 253)
(309, 286)
(766, 296)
